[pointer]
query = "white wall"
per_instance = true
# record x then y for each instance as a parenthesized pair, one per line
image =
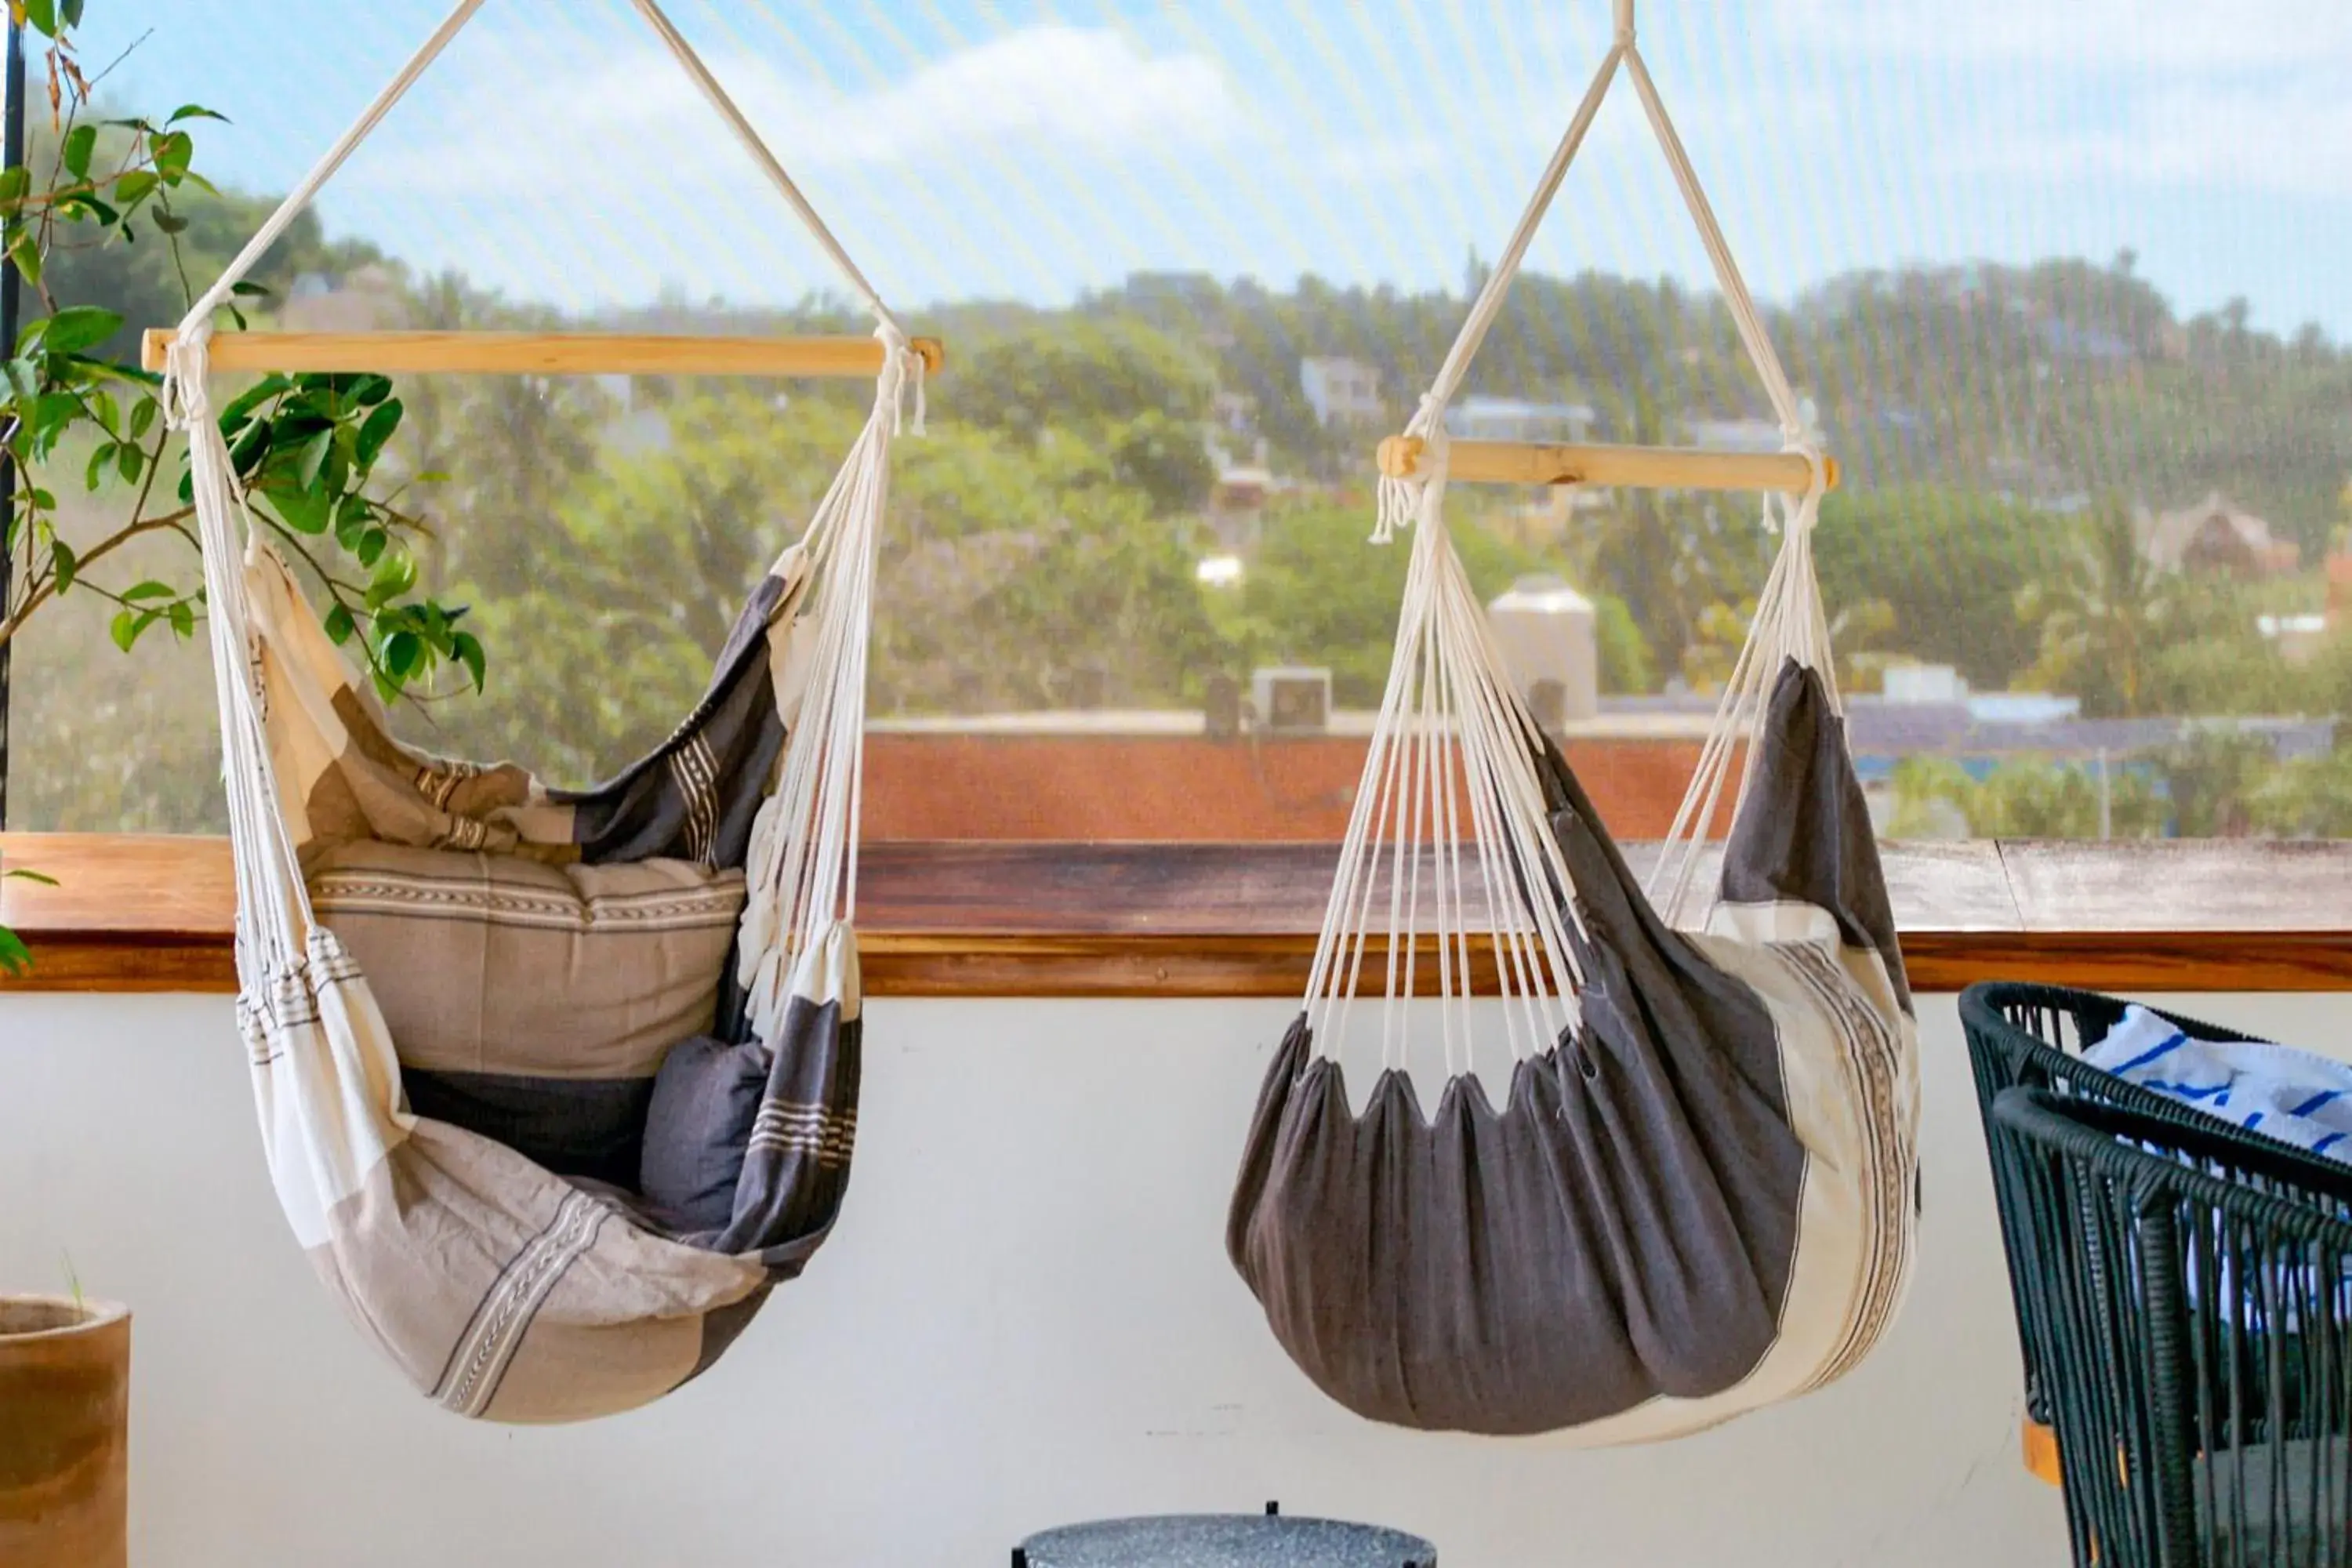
(1026, 1319)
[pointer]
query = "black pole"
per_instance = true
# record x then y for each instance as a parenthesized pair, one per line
(12, 156)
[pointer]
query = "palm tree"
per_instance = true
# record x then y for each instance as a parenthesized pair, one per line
(2102, 616)
(1680, 561)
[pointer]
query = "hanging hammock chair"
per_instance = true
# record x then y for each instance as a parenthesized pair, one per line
(1699, 1195)
(555, 1087)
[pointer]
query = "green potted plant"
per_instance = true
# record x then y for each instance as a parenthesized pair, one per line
(72, 413)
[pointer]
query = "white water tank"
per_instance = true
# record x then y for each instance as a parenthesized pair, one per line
(1546, 631)
(1923, 683)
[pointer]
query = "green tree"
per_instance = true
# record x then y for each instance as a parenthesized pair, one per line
(513, 447)
(2225, 667)
(1032, 579)
(1626, 666)
(1009, 577)
(1670, 557)
(1856, 632)
(2216, 775)
(1947, 565)
(2305, 797)
(2102, 615)
(1317, 593)
(1930, 795)
(2025, 798)
(1078, 371)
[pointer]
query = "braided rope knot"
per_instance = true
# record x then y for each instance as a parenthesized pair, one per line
(902, 367)
(186, 400)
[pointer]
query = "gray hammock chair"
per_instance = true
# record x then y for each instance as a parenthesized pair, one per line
(1699, 1192)
(555, 1087)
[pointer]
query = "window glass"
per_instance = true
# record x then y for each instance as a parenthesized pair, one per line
(2061, 286)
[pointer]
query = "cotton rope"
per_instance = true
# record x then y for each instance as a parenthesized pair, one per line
(812, 874)
(1449, 690)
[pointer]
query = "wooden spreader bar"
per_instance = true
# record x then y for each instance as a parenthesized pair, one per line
(544, 354)
(1632, 468)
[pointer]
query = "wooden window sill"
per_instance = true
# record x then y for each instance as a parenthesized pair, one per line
(1028, 918)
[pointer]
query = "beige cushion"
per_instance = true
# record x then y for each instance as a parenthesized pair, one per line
(492, 963)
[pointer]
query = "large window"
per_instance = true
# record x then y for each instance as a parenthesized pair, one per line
(2063, 285)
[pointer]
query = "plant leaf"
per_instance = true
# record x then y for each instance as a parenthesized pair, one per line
(394, 574)
(304, 512)
(381, 421)
(124, 629)
(128, 461)
(63, 559)
(247, 449)
(402, 654)
(142, 415)
(78, 327)
(80, 143)
(252, 397)
(194, 111)
(149, 589)
(249, 289)
(27, 251)
(171, 150)
(313, 458)
(136, 186)
(183, 619)
(170, 223)
(339, 625)
(41, 13)
(29, 875)
(99, 457)
(467, 650)
(52, 412)
(82, 204)
(70, 12)
(15, 956)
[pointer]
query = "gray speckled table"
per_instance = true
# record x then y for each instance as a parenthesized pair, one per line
(1225, 1541)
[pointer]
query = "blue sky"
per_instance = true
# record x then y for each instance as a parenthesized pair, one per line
(1013, 149)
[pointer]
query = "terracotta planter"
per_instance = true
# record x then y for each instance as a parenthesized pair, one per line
(65, 1432)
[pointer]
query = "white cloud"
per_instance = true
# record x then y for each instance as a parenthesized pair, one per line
(1073, 89)
(2241, 94)
(2291, 140)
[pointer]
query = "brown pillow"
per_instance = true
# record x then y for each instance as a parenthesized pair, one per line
(491, 964)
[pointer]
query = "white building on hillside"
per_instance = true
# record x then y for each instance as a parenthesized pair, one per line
(1340, 391)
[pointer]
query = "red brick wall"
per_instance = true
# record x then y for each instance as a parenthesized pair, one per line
(1112, 787)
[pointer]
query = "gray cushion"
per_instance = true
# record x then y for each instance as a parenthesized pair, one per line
(706, 1097)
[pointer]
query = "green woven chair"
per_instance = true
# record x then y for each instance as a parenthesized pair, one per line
(2191, 1314)
(2032, 1036)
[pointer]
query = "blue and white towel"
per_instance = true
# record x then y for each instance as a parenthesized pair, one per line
(2292, 1096)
